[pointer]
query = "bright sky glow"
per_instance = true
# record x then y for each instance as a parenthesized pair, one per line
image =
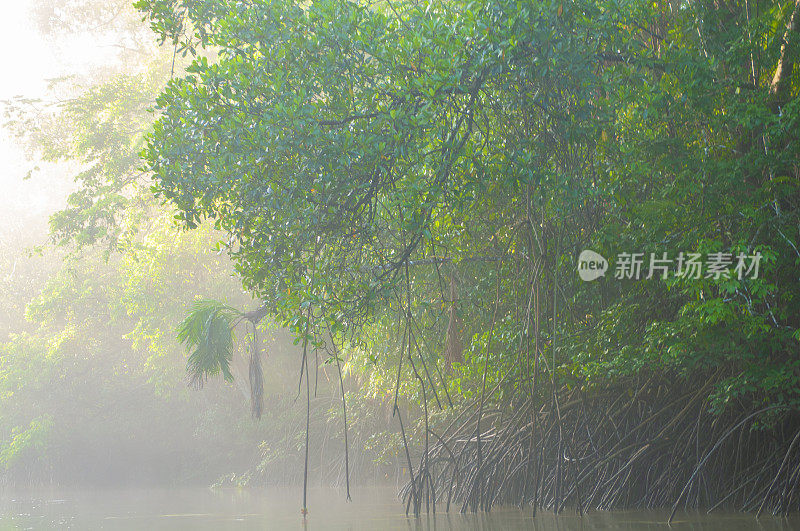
(28, 61)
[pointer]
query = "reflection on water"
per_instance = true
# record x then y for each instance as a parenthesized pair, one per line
(374, 508)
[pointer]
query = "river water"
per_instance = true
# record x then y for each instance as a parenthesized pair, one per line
(371, 509)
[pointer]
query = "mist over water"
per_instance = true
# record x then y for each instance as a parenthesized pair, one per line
(374, 508)
(197, 334)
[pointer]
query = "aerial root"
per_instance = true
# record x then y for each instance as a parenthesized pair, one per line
(653, 448)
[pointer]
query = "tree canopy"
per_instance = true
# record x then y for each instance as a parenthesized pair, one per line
(339, 143)
(409, 187)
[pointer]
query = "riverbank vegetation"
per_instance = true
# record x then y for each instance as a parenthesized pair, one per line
(92, 379)
(407, 188)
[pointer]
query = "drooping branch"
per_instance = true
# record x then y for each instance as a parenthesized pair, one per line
(256, 375)
(344, 414)
(257, 315)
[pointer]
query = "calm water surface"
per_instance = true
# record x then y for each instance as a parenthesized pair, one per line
(374, 508)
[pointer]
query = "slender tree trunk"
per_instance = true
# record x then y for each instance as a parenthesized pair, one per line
(780, 87)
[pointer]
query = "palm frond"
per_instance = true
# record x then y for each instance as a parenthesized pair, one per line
(207, 333)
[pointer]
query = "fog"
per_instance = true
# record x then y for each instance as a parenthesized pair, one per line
(92, 380)
(278, 264)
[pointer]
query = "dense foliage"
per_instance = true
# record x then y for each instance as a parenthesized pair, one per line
(92, 379)
(344, 146)
(407, 187)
